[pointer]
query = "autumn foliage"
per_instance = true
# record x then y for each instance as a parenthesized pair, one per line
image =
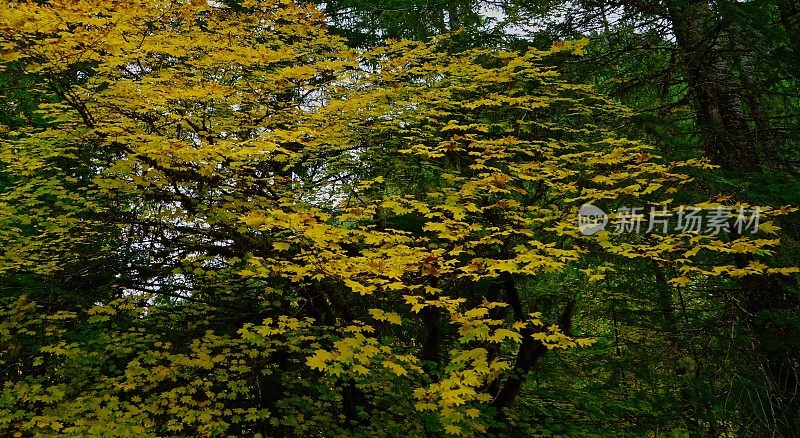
(240, 226)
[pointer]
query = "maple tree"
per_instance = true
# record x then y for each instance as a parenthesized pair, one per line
(302, 238)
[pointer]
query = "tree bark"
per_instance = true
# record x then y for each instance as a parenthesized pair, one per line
(530, 351)
(720, 113)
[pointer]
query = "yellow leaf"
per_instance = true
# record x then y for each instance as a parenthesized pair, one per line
(473, 413)
(319, 360)
(395, 368)
(360, 369)
(680, 281)
(393, 318)
(281, 246)
(501, 334)
(784, 271)
(769, 227)
(452, 429)
(380, 315)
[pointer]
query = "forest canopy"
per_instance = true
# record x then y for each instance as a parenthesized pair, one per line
(272, 218)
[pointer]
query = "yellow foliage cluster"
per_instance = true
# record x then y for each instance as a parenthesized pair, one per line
(253, 150)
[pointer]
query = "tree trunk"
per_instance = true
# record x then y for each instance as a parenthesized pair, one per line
(721, 118)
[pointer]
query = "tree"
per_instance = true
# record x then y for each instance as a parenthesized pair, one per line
(717, 78)
(367, 23)
(299, 243)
